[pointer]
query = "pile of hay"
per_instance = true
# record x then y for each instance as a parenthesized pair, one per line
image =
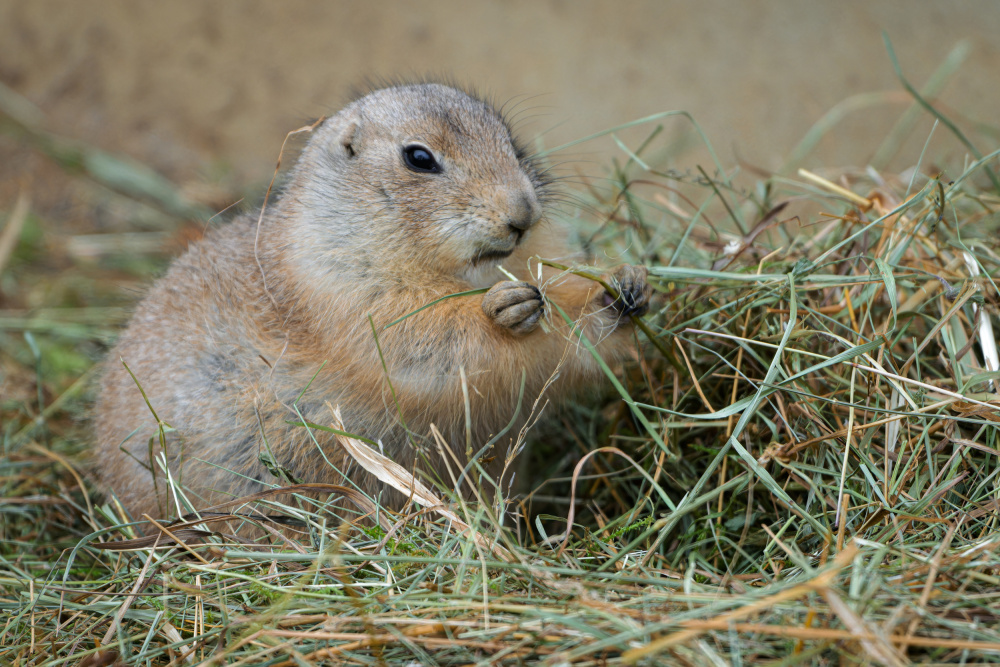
(801, 464)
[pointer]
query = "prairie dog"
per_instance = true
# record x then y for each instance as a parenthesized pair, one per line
(408, 194)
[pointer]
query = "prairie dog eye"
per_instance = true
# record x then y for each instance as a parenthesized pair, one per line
(420, 159)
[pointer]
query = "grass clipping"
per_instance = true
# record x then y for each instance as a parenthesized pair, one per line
(801, 465)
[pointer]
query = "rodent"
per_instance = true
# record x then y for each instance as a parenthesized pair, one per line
(408, 194)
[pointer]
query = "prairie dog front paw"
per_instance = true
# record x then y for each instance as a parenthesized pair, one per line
(515, 306)
(633, 290)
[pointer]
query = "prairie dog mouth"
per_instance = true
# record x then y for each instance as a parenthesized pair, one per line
(487, 255)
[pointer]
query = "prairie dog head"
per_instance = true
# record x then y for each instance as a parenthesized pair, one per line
(421, 174)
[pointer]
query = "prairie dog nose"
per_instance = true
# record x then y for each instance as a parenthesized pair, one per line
(524, 210)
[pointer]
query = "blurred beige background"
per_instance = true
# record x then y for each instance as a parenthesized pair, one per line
(185, 85)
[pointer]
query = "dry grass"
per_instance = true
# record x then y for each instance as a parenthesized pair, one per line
(801, 466)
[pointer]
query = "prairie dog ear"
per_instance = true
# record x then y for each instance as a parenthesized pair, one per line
(348, 135)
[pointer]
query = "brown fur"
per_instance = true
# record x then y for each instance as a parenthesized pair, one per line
(226, 342)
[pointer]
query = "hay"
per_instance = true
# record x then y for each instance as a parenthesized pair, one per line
(815, 433)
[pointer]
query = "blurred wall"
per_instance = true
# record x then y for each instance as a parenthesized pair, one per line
(182, 84)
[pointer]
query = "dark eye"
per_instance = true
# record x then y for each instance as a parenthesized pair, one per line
(420, 159)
